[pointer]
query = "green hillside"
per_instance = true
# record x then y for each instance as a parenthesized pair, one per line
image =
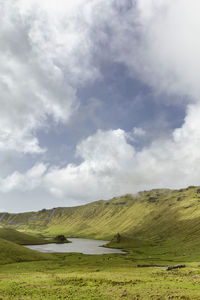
(150, 218)
(20, 238)
(11, 253)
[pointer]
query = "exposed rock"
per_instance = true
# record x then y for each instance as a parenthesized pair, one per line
(150, 266)
(152, 199)
(179, 199)
(118, 238)
(61, 239)
(174, 267)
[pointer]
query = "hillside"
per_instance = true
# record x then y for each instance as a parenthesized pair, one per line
(20, 238)
(11, 253)
(157, 217)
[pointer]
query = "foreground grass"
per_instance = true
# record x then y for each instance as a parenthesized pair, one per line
(77, 276)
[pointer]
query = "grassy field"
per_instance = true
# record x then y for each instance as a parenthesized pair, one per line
(77, 276)
(160, 227)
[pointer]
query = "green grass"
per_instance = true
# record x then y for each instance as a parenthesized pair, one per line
(20, 237)
(77, 276)
(11, 252)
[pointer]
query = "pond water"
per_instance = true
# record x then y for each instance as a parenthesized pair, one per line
(85, 246)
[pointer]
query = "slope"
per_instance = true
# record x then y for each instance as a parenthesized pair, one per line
(11, 253)
(19, 237)
(159, 217)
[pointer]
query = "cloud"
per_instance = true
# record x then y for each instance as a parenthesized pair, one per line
(50, 49)
(106, 156)
(164, 47)
(45, 56)
(24, 182)
(112, 166)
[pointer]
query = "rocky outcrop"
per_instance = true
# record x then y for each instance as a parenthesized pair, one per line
(61, 239)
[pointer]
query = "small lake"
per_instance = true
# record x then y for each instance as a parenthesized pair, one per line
(85, 246)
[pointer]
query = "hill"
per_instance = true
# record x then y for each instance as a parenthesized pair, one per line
(20, 238)
(160, 217)
(11, 253)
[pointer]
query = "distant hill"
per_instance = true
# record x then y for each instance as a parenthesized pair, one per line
(156, 217)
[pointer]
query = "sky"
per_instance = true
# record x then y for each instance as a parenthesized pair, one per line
(98, 98)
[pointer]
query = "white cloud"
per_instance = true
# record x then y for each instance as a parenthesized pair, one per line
(103, 155)
(45, 55)
(23, 182)
(165, 45)
(138, 131)
(137, 134)
(111, 166)
(47, 52)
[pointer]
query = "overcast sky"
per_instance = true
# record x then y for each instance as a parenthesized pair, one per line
(98, 98)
